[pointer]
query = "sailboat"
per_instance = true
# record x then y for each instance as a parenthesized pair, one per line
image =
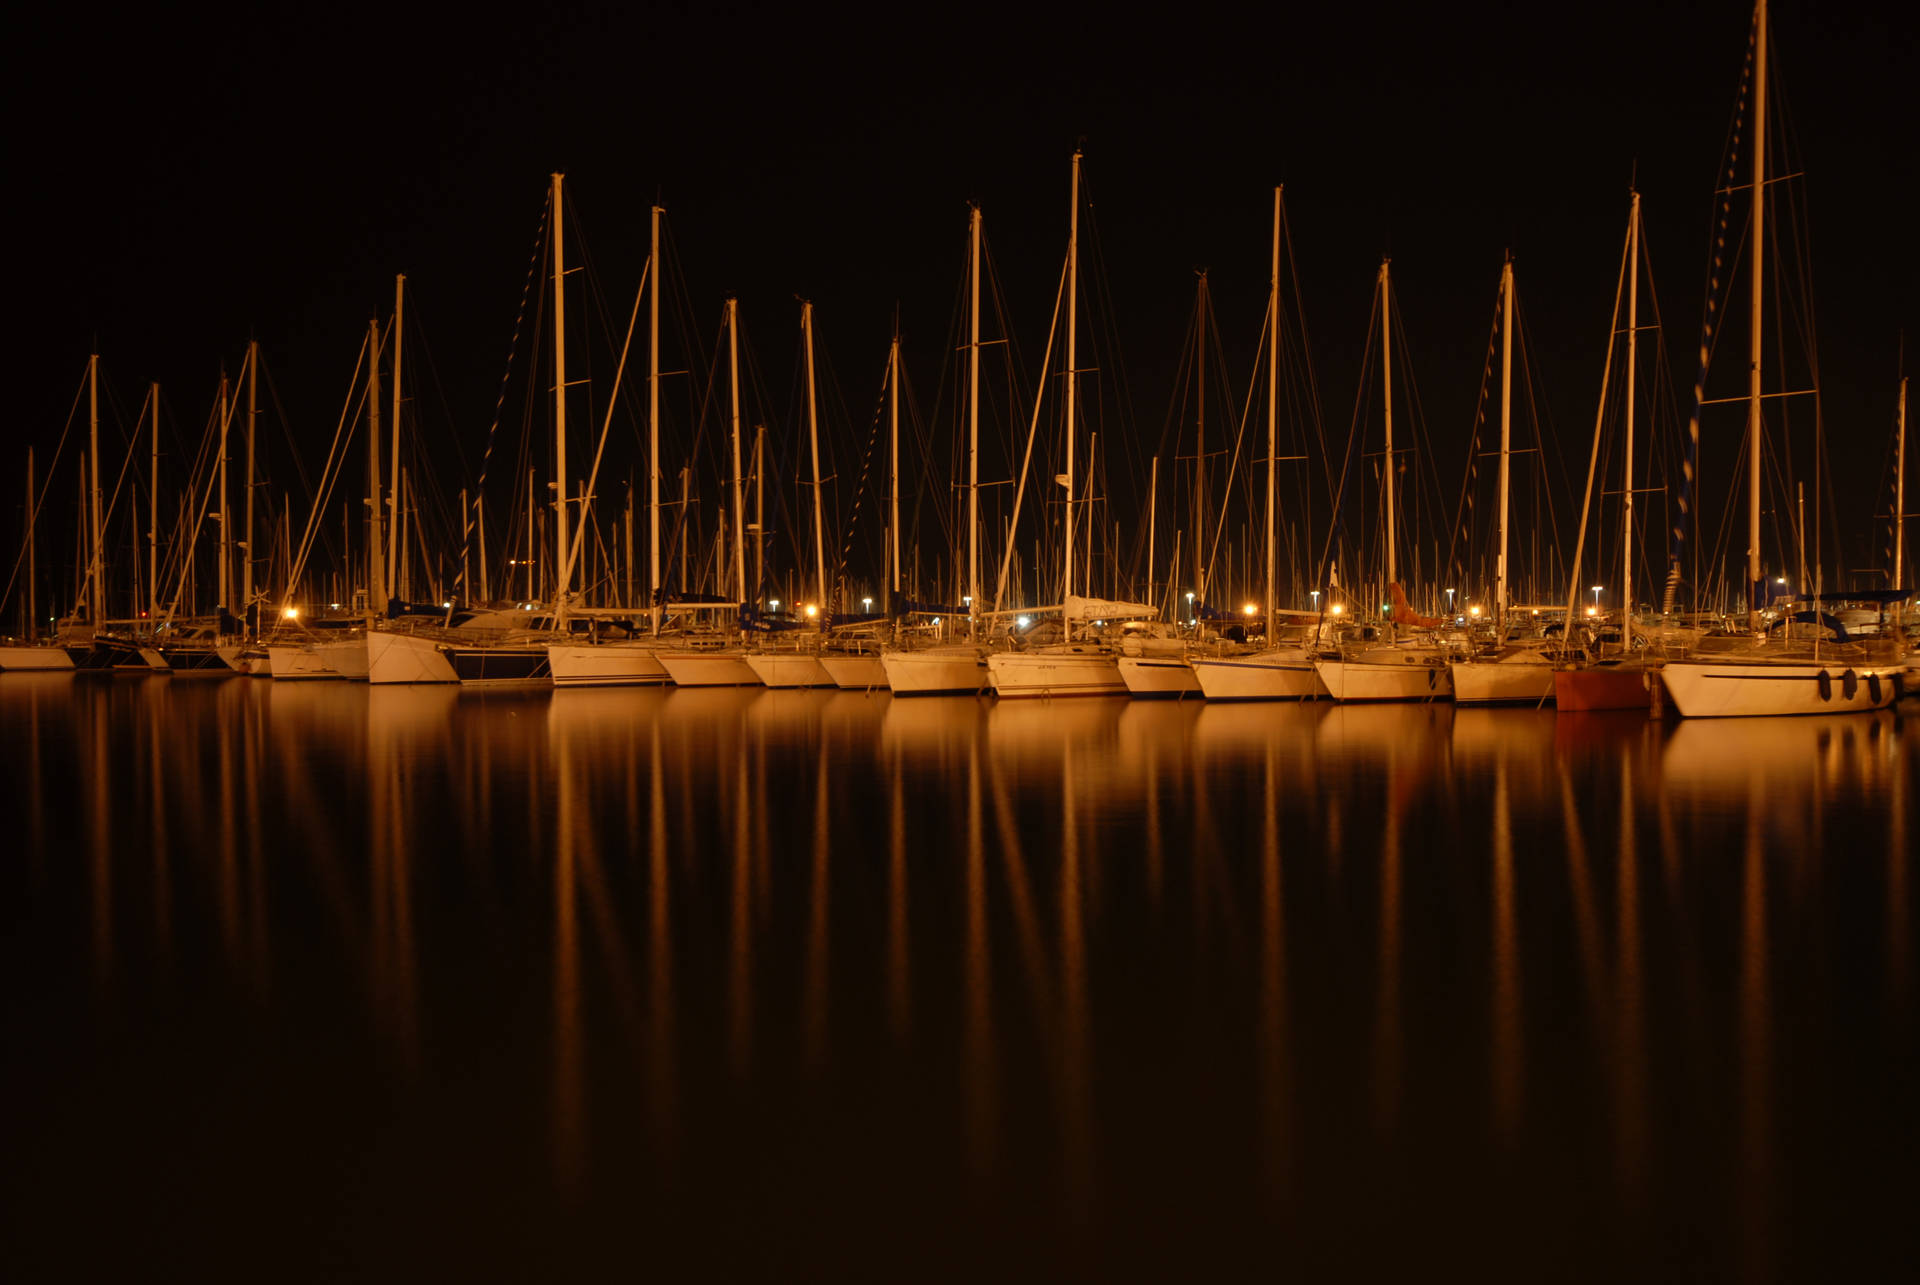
(1767, 673)
(718, 660)
(961, 667)
(1283, 670)
(1082, 667)
(1389, 669)
(1511, 673)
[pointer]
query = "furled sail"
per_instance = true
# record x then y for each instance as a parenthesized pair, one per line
(1083, 609)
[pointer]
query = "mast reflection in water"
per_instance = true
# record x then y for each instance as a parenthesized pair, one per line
(308, 980)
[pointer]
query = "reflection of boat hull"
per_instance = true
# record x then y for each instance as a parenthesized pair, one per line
(1158, 676)
(1496, 682)
(18, 658)
(1264, 676)
(1731, 690)
(1055, 673)
(789, 669)
(615, 664)
(709, 669)
(936, 670)
(1602, 687)
(856, 673)
(406, 658)
(500, 666)
(1359, 680)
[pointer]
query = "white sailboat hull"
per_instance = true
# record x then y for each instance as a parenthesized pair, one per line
(1702, 689)
(1494, 682)
(856, 673)
(1063, 673)
(1158, 676)
(35, 658)
(1265, 676)
(1361, 680)
(709, 669)
(406, 658)
(789, 669)
(936, 670)
(300, 662)
(615, 664)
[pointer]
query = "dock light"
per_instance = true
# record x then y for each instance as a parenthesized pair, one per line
(333, 606)
(1474, 611)
(773, 605)
(291, 613)
(1316, 598)
(968, 600)
(446, 606)
(812, 611)
(1021, 621)
(1337, 608)
(868, 603)
(1593, 611)
(1249, 609)
(1780, 580)
(1596, 600)
(1449, 602)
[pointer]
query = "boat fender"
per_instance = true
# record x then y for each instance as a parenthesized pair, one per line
(1849, 684)
(1826, 685)
(1873, 687)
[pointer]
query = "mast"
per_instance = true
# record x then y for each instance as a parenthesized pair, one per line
(1754, 329)
(739, 498)
(480, 526)
(376, 563)
(96, 599)
(33, 606)
(253, 416)
(973, 425)
(226, 515)
(1386, 383)
(1506, 443)
(1273, 403)
(1200, 444)
(1153, 517)
(1900, 509)
(1073, 326)
(398, 335)
(559, 403)
(1626, 486)
(153, 512)
(759, 509)
(813, 437)
(653, 421)
(893, 480)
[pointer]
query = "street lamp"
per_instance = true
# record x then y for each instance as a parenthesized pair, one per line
(1596, 599)
(867, 603)
(1316, 599)
(1449, 602)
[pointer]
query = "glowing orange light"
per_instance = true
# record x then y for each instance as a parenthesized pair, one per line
(1248, 609)
(812, 611)
(1338, 608)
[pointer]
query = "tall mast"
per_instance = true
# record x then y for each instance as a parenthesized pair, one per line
(1273, 402)
(226, 514)
(1386, 383)
(653, 420)
(759, 509)
(33, 606)
(1900, 510)
(253, 416)
(153, 512)
(973, 425)
(1626, 512)
(97, 599)
(559, 402)
(739, 498)
(1200, 445)
(893, 479)
(398, 334)
(1073, 377)
(813, 437)
(376, 559)
(1153, 519)
(1500, 592)
(1754, 328)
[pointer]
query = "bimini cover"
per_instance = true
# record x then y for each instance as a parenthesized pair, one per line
(1080, 609)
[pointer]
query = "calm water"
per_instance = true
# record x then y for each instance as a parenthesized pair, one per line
(323, 980)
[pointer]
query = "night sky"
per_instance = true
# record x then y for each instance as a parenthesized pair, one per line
(184, 181)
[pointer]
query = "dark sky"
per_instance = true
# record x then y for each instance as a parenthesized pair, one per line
(184, 180)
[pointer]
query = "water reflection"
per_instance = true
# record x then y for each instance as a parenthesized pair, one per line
(1030, 965)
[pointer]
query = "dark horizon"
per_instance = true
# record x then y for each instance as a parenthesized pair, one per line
(210, 179)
